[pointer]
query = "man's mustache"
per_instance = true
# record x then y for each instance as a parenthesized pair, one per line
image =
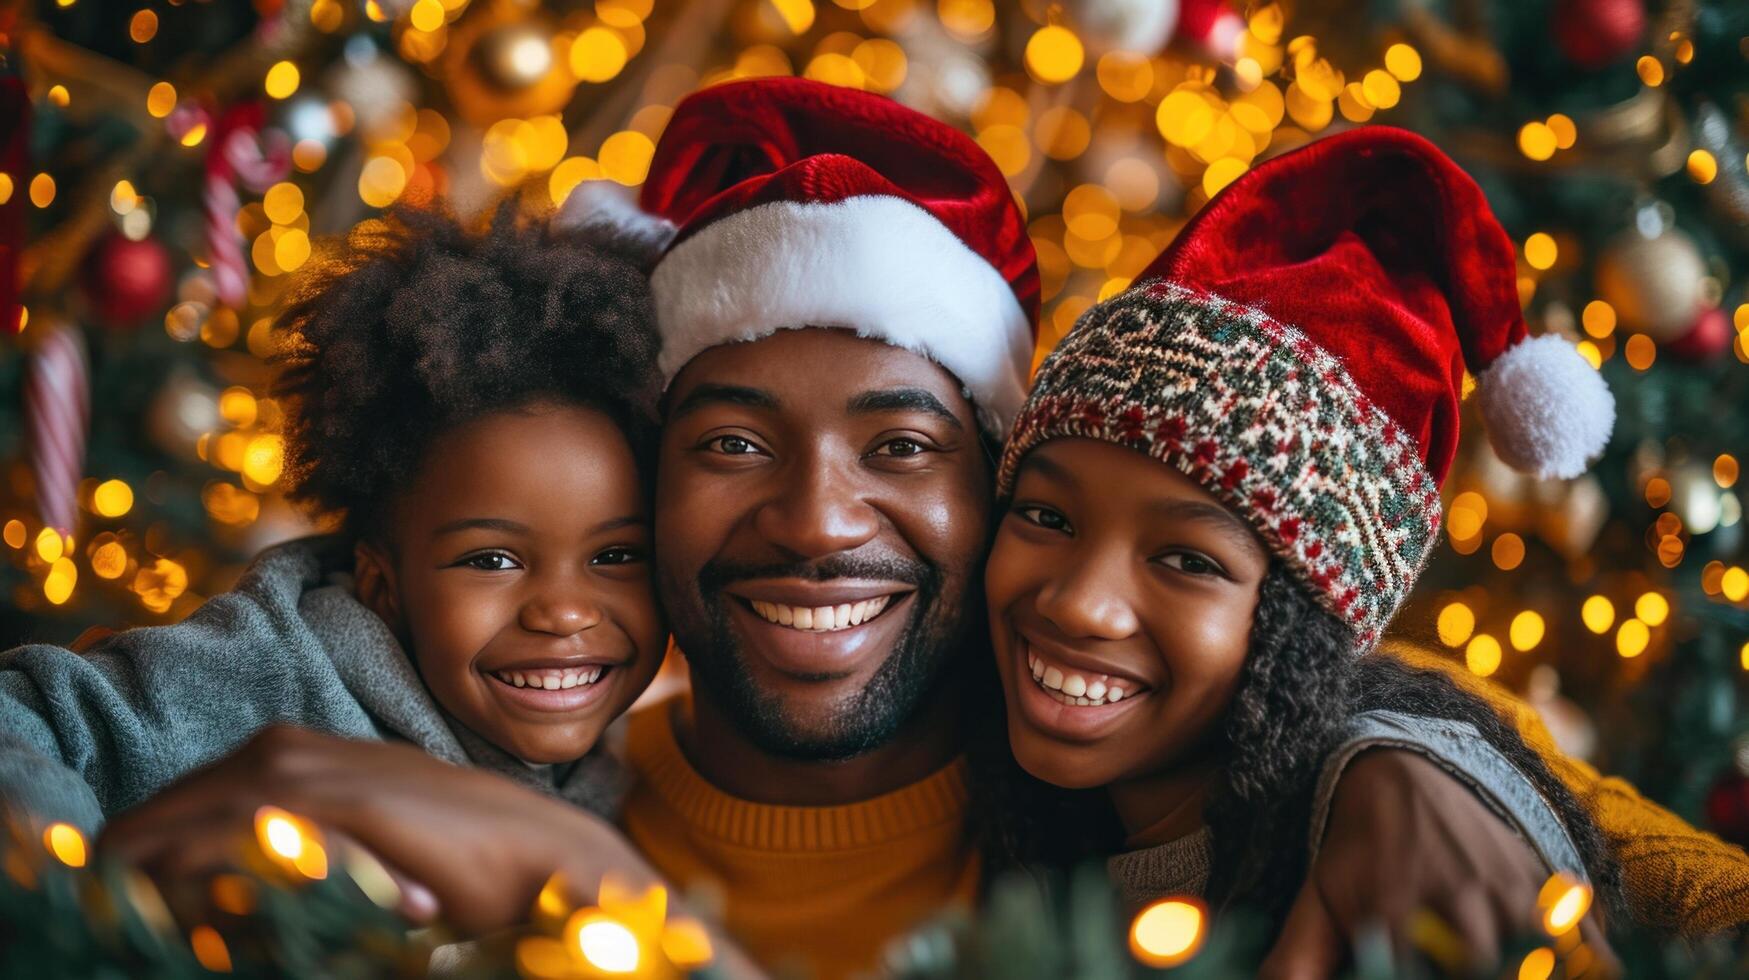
(719, 575)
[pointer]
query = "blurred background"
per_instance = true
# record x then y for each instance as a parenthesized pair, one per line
(166, 164)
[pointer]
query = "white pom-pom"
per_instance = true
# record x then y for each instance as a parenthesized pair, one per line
(606, 207)
(1547, 410)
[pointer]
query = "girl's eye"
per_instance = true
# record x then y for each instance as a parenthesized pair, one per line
(733, 446)
(491, 561)
(1044, 517)
(1191, 564)
(899, 447)
(617, 556)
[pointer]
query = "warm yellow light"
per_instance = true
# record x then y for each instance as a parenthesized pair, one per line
(292, 249)
(1537, 141)
(49, 544)
(597, 55)
(1632, 639)
(282, 80)
(1566, 133)
(1540, 251)
(1482, 655)
(1563, 902)
(13, 533)
(195, 134)
(143, 26)
(1734, 584)
(1008, 146)
(426, 15)
(209, 949)
(381, 181)
(1538, 964)
(1221, 173)
(1640, 352)
(797, 15)
(66, 843)
(966, 19)
(1508, 551)
(280, 834)
(1598, 614)
(1743, 656)
(1403, 61)
(1125, 76)
(1382, 90)
(568, 174)
(625, 157)
(1184, 118)
(59, 95)
(883, 63)
(160, 99)
(42, 190)
(1168, 932)
(1651, 70)
(606, 945)
(264, 458)
(1455, 624)
(291, 842)
(1054, 54)
(1702, 166)
(1526, 631)
(283, 203)
(1652, 609)
(1598, 319)
(112, 498)
(5, 187)
(686, 944)
(58, 585)
(110, 560)
(123, 198)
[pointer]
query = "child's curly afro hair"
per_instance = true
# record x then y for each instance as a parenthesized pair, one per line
(419, 324)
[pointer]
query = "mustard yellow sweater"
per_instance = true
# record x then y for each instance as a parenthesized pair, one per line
(1675, 878)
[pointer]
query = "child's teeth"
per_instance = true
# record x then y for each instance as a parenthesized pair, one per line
(1053, 678)
(1114, 694)
(1075, 685)
(1096, 691)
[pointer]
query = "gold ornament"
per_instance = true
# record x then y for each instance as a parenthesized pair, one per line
(515, 56)
(503, 64)
(1653, 283)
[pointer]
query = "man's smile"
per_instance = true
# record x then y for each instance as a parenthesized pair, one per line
(819, 630)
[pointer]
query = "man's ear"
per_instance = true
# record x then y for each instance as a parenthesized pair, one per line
(373, 583)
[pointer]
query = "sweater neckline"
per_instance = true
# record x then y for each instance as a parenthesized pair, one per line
(655, 755)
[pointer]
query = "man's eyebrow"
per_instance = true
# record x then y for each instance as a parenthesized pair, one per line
(718, 394)
(481, 523)
(902, 400)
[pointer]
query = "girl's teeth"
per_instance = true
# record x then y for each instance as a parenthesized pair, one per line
(562, 679)
(1070, 688)
(821, 618)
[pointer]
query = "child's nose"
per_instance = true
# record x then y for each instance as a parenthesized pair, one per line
(1089, 600)
(559, 616)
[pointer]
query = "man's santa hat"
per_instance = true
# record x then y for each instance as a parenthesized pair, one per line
(776, 204)
(1300, 351)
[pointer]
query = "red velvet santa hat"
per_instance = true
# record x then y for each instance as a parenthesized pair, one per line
(783, 203)
(1300, 348)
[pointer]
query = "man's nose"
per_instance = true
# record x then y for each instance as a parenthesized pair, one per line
(818, 509)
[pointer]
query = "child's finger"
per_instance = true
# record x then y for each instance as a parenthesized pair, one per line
(1310, 946)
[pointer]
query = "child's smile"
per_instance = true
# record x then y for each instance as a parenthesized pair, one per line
(1072, 694)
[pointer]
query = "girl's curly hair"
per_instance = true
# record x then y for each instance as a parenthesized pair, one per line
(1301, 683)
(419, 324)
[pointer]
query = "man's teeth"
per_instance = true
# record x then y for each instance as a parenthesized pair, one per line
(821, 619)
(1073, 688)
(551, 679)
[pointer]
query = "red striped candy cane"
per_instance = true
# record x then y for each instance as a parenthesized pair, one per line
(57, 408)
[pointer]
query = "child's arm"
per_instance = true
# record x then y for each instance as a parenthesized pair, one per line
(85, 735)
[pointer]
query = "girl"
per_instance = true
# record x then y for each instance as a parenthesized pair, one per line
(476, 409)
(1225, 482)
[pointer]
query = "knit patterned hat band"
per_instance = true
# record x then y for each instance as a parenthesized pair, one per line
(1263, 418)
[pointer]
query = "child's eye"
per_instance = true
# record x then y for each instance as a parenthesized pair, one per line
(733, 446)
(1044, 517)
(617, 556)
(899, 447)
(1191, 564)
(490, 561)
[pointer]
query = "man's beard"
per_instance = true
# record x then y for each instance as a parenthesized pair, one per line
(895, 694)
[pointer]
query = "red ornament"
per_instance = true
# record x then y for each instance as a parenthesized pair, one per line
(1727, 808)
(126, 281)
(1595, 34)
(1708, 338)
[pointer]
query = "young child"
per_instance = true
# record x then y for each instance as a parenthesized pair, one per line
(477, 408)
(1223, 485)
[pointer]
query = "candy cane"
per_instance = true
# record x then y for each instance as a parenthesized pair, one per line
(239, 155)
(57, 407)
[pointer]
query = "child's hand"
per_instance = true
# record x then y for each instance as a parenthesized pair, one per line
(1406, 838)
(480, 845)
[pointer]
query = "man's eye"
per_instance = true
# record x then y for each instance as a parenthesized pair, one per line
(617, 556)
(1044, 517)
(899, 447)
(1191, 564)
(733, 446)
(491, 561)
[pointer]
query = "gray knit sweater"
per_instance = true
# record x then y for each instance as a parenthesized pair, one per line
(83, 736)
